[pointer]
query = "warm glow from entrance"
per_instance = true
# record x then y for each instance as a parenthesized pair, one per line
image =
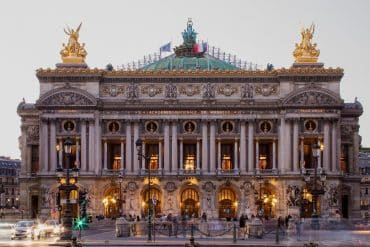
(189, 162)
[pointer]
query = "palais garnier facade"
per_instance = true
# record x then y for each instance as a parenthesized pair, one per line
(217, 137)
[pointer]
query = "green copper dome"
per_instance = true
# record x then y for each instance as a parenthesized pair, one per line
(186, 57)
(190, 63)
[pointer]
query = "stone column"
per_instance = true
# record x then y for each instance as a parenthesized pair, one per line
(212, 147)
(236, 165)
(274, 154)
(181, 154)
(334, 149)
(77, 163)
(243, 165)
(122, 156)
(136, 160)
(356, 150)
(175, 161)
(129, 167)
(326, 160)
(250, 145)
(160, 155)
(339, 145)
(60, 153)
(198, 154)
(142, 165)
(301, 162)
(282, 148)
(219, 158)
(53, 145)
(257, 154)
(83, 146)
(295, 147)
(43, 147)
(204, 146)
(95, 142)
(166, 147)
(105, 155)
(288, 146)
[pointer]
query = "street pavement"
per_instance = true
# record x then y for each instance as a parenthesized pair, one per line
(102, 233)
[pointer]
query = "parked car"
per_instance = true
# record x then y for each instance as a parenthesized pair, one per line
(46, 229)
(22, 229)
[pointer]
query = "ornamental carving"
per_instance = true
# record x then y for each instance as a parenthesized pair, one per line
(266, 89)
(209, 91)
(132, 186)
(293, 195)
(151, 90)
(112, 90)
(132, 91)
(247, 188)
(67, 98)
(171, 91)
(209, 187)
(346, 130)
(332, 196)
(227, 90)
(312, 98)
(247, 91)
(32, 133)
(170, 187)
(190, 90)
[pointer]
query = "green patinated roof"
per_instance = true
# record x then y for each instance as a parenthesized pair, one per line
(190, 63)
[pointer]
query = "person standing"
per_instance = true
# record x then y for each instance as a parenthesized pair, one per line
(242, 220)
(298, 227)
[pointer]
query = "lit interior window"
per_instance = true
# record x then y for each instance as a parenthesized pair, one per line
(226, 162)
(189, 162)
(153, 162)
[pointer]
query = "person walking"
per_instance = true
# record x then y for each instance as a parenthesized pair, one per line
(242, 220)
(298, 228)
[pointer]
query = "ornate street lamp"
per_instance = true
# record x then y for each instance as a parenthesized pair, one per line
(67, 185)
(139, 147)
(120, 178)
(316, 192)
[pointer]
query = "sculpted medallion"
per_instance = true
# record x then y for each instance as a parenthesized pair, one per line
(189, 90)
(266, 89)
(227, 90)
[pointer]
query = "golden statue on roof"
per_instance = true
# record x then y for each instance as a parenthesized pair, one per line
(306, 52)
(73, 52)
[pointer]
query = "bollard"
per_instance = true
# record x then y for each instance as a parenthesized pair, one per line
(234, 234)
(191, 240)
(277, 233)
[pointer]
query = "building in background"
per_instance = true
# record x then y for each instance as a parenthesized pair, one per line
(219, 138)
(364, 164)
(9, 186)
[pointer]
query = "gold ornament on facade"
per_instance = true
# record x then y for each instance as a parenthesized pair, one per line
(306, 52)
(73, 52)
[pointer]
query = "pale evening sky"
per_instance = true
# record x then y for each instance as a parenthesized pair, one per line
(117, 32)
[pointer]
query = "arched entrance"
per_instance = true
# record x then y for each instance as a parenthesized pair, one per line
(227, 203)
(154, 203)
(268, 200)
(111, 202)
(306, 204)
(190, 203)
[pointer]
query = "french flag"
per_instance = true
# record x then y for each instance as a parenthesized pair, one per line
(199, 48)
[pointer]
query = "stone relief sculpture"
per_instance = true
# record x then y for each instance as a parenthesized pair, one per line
(266, 90)
(171, 91)
(293, 195)
(32, 133)
(189, 90)
(227, 90)
(151, 90)
(46, 197)
(247, 91)
(132, 91)
(332, 196)
(312, 98)
(209, 91)
(209, 187)
(112, 90)
(67, 98)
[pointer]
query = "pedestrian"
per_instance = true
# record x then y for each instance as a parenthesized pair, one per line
(298, 228)
(242, 220)
(204, 217)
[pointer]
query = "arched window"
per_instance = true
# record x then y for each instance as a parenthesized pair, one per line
(154, 202)
(227, 203)
(190, 203)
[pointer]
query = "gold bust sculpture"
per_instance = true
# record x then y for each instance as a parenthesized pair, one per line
(306, 52)
(73, 52)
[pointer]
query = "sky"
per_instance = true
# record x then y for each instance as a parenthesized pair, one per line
(118, 32)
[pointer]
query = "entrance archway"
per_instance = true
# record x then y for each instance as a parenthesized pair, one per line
(111, 202)
(154, 203)
(190, 203)
(227, 203)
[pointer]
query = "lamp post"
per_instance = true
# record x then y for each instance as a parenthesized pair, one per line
(139, 147)
(316, 192)
(260, 201)
(120, 178)
(67, 187)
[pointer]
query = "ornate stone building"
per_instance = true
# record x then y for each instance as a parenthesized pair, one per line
(218, 139)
